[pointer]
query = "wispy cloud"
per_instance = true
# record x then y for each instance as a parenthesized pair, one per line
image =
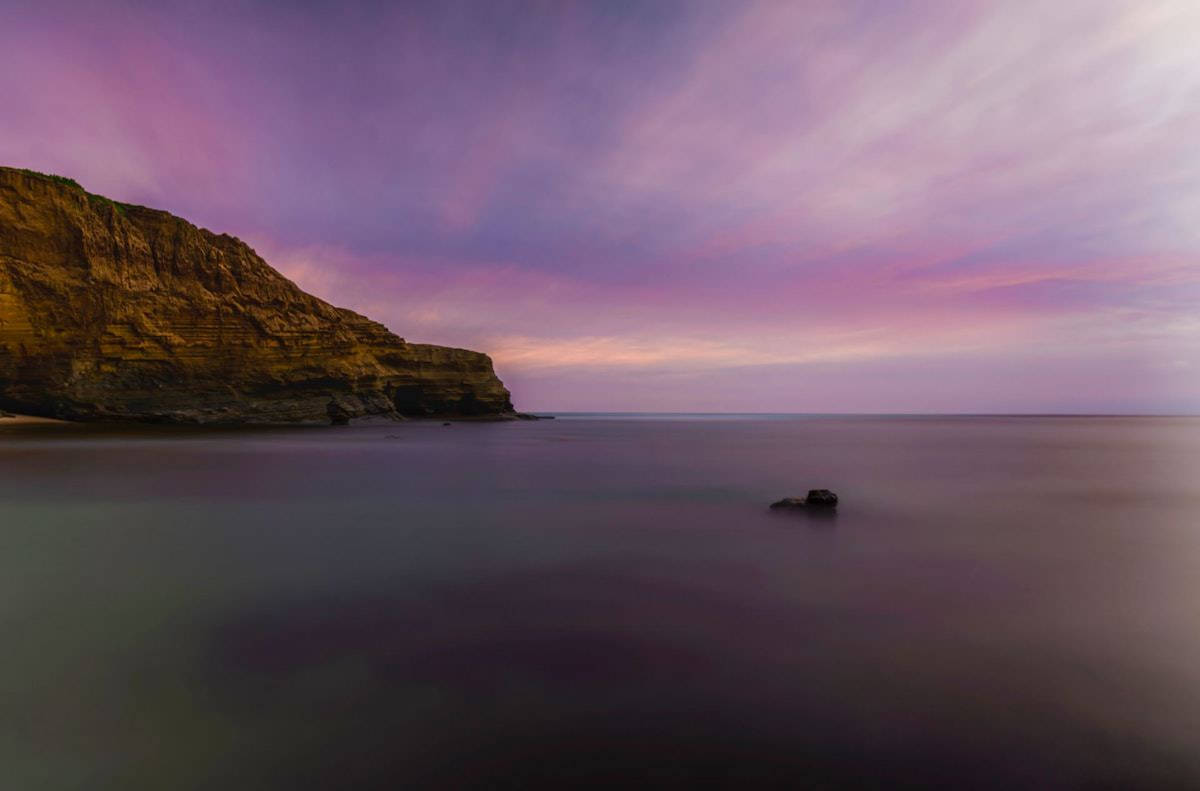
(670, 189)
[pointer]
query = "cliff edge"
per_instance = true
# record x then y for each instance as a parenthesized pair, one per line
(116, 312)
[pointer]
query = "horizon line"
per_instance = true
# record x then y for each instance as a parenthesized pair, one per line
(865, 414)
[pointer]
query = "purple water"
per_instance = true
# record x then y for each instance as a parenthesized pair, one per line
(999, 602)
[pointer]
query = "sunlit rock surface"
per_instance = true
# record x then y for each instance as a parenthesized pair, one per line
(116, 312)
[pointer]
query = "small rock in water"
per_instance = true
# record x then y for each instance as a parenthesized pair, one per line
(817, 498)
(821, 498)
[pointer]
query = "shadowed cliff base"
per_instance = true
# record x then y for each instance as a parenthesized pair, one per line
(116, 312)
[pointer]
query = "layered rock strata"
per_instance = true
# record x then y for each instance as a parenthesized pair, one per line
(110, 311)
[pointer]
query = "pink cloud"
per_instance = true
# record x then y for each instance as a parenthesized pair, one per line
(602, 199)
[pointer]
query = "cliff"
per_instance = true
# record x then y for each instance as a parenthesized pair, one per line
(116, 312)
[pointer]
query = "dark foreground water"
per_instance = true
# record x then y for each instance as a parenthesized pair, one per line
(999, 603)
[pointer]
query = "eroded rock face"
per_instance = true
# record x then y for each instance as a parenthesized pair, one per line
(117, 312)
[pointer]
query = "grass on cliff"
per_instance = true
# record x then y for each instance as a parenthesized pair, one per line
(97, 200)
(100, 200)
(52, 177)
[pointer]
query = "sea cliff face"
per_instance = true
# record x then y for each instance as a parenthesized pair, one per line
(117, 312)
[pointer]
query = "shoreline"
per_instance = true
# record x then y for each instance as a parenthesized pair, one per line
(10, 419)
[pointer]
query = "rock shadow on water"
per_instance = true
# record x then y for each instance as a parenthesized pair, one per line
(815, 518)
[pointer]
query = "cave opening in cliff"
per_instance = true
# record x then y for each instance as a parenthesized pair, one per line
(411, 401)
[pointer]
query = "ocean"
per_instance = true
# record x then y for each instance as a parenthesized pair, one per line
(603, 601)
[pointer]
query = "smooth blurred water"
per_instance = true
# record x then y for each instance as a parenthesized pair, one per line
(999, 602)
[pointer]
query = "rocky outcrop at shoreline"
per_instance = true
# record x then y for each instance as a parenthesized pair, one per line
(110, 311)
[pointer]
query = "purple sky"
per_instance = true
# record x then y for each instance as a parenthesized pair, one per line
(686, 206)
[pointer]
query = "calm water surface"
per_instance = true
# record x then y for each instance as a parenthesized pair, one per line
(999, 603)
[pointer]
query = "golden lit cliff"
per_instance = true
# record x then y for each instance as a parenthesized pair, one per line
(117, 312)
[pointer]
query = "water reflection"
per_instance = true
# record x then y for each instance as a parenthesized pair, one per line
(996, 603)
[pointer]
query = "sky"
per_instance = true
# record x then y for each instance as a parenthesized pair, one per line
(842, 206)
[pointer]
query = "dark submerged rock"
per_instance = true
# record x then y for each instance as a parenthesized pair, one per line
(817, 498)
(821, 498)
